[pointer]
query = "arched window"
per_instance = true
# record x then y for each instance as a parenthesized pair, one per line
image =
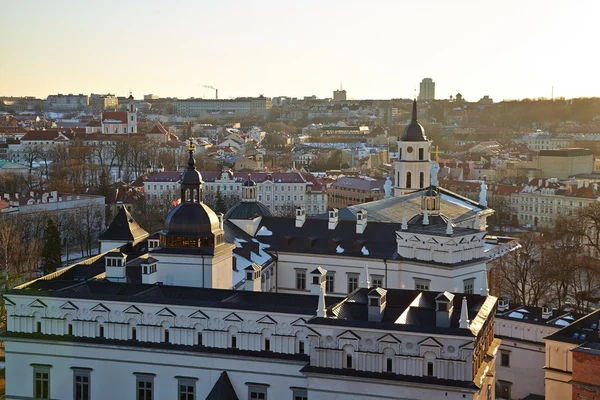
(429, 368)
(421, 179)
(389, 366)
(348, 360)
(187, 195)
(408, 180)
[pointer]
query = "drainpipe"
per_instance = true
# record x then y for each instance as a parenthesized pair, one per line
(203, 277)
(386, 272)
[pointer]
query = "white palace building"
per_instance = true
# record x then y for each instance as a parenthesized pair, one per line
(385, 300)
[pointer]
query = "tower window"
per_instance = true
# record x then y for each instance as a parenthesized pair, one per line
(421, 180)
(421, 154)
(408, 180)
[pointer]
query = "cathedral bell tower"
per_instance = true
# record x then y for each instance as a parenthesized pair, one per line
(411, 170)
(131, 115)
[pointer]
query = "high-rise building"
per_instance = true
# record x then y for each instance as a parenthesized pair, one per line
(427, 89)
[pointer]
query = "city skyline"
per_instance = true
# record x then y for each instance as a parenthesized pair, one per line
(299, 50)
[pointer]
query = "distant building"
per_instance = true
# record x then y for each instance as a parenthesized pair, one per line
(67, 102)
(427, 90)
(539, 141)
(150, 97)
(339, 95)
(348, 191)
(223, 108)
(565, 163)
(120, 122)
(101, 102)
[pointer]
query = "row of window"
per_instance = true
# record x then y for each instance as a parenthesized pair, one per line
(353, 280)
(144, 386)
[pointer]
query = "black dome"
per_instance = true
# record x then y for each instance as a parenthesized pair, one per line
(414, 132)
(191, 220)
(248, 210)
(249, 182)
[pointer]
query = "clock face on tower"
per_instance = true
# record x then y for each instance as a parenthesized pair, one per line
(409, 149)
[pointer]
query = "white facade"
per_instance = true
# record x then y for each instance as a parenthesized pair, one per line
(413, 166)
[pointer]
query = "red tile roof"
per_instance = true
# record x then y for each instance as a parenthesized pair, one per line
(115, 115)
(94, 123)
(158, 128)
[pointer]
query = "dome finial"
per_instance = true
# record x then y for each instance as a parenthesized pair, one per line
(414, 110)
(191, 147)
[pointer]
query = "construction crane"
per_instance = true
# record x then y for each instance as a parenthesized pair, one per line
(215, 89)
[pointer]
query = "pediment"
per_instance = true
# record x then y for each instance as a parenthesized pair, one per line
(69, 306)
(37, 304)
(165, 312)
(100, 308)
(133, 310)
(450, 243)
(463, 241)
(233, 317)
(475, 239)
(414, 239)
(389, 338)
(466, 346)
(6, 299)
(348, 335)
(432, 241)
(267, 320)
(312, 332)
(430, 342)
(199, 315)
(299, 322)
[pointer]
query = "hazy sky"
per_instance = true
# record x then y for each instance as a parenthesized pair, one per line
(377, 49)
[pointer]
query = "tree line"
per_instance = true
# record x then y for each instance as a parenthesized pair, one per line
(561, 268)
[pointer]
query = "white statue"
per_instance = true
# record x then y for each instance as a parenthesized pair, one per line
(483, 194)
(433, 173)
(387, 188)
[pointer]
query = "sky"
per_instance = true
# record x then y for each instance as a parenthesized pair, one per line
(507, 49)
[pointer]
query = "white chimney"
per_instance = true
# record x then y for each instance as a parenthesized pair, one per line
(361, 221)
(503, 304)
(546, 312)
(114, 263)
(300, 216)
(365, 283)
(463, 322)
(404, 223)
(425, 218)
(333, 218)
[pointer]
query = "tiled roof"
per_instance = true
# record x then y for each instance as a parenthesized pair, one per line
(359, 183)
(223, 389)
(94, 123)
(158, 128)
(115, 116)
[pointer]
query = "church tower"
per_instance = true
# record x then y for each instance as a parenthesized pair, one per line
(131, 115)
(414, 160)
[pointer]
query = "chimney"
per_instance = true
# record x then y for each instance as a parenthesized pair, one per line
(503, 304)
(333, 218)
(404, 223)
(321, 311)
(425, 217)
(300, 216)
(253, 280)
(377, 300)
(463, 322)
(361, 221)
(546, 311)
(444, 306)
(317, 280)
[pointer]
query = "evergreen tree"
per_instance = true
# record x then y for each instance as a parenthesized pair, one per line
(220, 203)
(51, 250)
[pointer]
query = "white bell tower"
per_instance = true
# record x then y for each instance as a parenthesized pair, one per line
(131, 115)
(412, 169)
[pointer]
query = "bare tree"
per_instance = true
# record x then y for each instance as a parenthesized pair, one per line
(522, 275)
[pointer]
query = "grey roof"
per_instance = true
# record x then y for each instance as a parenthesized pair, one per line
(359, 183)
(452, 205)
(583, 330)
(124, 227)
(417, 308)
(565, 153)
(248, 210)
